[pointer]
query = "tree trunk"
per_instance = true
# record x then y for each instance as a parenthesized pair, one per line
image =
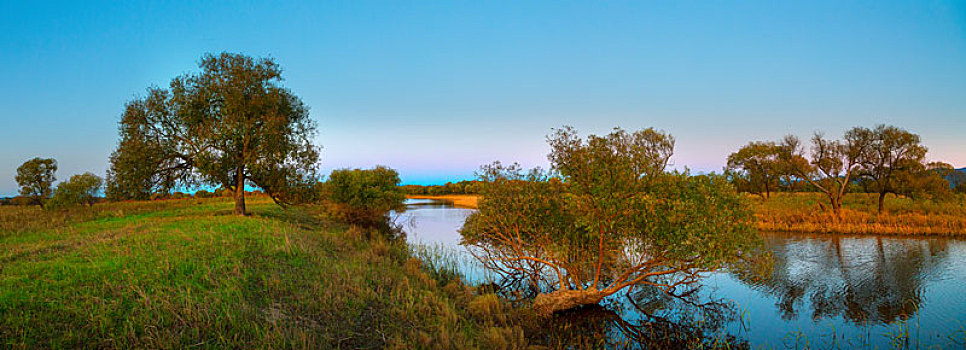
(836, 205)
(767, 191)
(547, 303)
(240, 192)
(881, 202)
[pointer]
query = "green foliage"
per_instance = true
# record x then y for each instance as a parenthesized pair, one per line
(80, 189)
(363, 197)
(608, 217)
(895, 162)
(755, 168)
(35, 178)
(229, 124)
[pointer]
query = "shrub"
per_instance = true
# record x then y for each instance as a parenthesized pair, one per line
(80, 189)
(363, 197)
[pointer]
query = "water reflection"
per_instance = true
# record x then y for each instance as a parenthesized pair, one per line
(861, 289)
(866, 280)
(432, 221)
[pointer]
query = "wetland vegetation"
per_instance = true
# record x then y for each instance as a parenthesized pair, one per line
(608, 248)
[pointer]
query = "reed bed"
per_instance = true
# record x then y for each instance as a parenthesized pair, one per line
(809, 213)
(468, 201)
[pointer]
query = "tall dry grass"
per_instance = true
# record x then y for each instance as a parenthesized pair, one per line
(809, 213)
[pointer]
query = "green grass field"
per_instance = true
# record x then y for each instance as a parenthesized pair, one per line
(187, 274)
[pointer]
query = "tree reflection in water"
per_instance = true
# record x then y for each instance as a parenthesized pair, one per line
(645, 318)
(865, 280)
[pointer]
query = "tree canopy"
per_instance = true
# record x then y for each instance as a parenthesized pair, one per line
(755, 168)
(231, 124)
(894, 159)
(607, 216)
(882, 160)
(35, 178)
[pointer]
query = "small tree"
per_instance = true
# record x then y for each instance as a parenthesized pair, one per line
(363, 197)
(755, 169)
(35, 178)
(925, 181)
(608, 217)
(833, 163)
(893, 161)
(79, 189)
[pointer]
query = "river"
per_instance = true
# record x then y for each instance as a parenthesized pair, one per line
(824, 291)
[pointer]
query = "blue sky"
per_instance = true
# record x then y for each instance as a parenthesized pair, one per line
(437, 88)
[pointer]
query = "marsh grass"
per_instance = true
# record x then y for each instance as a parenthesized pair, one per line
(468, 201)
(808, 213)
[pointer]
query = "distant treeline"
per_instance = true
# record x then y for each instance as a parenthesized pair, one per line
(462, 187)
(881, 160)
(220, 192)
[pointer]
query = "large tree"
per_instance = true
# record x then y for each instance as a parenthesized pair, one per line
(893, 160)
(608, 216)
(229, 125)
(35, 178)
(833, 164)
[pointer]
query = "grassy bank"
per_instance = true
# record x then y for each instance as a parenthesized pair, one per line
(810, 213)
(468, 201)
(187, 273)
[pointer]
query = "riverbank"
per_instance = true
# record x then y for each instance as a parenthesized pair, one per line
(468, 201)
(810, 213)
(188, 273)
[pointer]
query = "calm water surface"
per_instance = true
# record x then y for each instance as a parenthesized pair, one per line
(828, 291)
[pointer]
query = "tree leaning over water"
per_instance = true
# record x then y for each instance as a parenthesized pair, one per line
(228, 125)
(607, 217)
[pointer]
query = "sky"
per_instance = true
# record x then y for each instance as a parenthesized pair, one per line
(435, 89)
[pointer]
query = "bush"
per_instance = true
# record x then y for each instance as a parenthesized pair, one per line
(363, 197)
(179, 195)
(80, 189)
(203, 194)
